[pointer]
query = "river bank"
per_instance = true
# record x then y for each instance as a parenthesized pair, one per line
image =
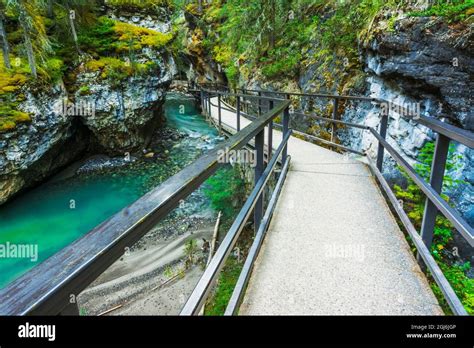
(152, 278)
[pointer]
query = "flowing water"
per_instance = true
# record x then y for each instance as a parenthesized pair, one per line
(58, 212)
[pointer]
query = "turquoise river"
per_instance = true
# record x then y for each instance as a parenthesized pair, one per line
(58, 212)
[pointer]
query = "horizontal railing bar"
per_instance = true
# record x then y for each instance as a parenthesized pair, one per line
(244, 276)
(448, 292)
(252, 117)
(453, 216)
(228, 109)
(320, 95)
(242, 113)
(46, 289)
(228, 130)
(460, 135)
(333, 120)
(314, 138)
(243, 95)
(200, 292)
(327, 142)
(454, 133)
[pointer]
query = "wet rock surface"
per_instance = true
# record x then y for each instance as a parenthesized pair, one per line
(33, 151)
(432, 61)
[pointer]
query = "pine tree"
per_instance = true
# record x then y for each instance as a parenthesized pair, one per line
(3, 38)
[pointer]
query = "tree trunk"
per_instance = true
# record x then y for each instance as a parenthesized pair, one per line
(272, 19)
(29, 52)
(73, 28)
(50, 12)
(5, 46)
(25, 28)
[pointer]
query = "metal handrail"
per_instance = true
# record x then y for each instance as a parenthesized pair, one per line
(457, 134)
(440, 279)
(200, 292)
(316, 95)
(49, 287)
(434, 201)
(461, 225)
(242, 281)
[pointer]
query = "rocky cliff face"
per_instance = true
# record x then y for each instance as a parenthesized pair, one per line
(422, 62)
(34, 150)
(200, 67)
(432, 62)
(428, 63)
(106, 116)
(123, 116)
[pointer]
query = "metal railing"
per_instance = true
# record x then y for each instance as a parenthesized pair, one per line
(434, 202)
(51, 287)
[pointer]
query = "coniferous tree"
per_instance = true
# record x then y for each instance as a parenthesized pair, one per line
(3, 38)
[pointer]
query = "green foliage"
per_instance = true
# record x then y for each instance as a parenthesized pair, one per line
(232, 73)
(131, 5)
(131, 37)
(98, 39)
(278, 37)
(414, 205)
(11, 83)
(462, 285)
(452, 10)
(225, 189)
(10, 117)
(107, 36)
(117, 70)
(284, 62)
(413, 197)
(225, 286)
(53, 69)
(426, 160)
(109, 41)
(84, 90)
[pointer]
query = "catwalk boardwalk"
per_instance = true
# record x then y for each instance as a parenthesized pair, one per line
(333, 247)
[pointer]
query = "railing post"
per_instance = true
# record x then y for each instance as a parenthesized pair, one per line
(259, 103)
(219, 112)
(202, 100)
(383, 134)
(209, 104)
(334, 117)
(436, 181)
(270, 136)
(286, 129)
(258, 210)
(238, 113)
